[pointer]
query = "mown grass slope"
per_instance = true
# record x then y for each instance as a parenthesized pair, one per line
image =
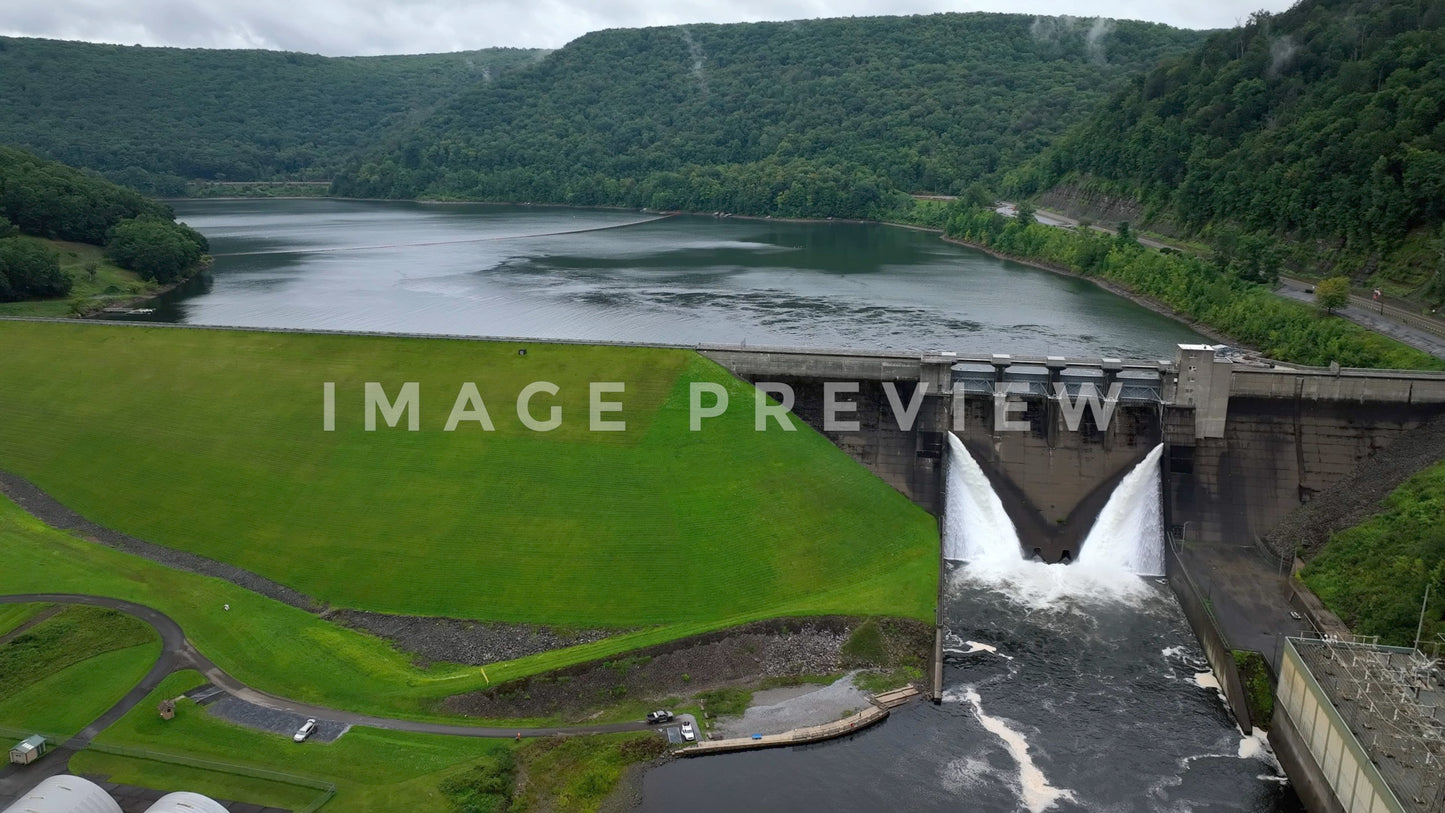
(67, 669)
(212, 442)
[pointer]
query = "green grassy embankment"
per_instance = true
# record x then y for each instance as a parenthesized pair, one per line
(372, 769)
(13, 615)
(98, 283)
(67, 670)
(211, 441)
(1373, 576)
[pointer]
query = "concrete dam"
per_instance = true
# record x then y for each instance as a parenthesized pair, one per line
(1244, 442)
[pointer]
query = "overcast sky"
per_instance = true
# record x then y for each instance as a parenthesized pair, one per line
(355, 27)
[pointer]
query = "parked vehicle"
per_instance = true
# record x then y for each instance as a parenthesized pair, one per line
(659, 716)
(688, 733)
(307, 729)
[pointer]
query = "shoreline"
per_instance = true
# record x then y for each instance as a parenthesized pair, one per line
(1113, 288)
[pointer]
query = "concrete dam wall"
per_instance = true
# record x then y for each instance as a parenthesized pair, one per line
(1245, 443)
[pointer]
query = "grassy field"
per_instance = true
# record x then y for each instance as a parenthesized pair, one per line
(372, 769)
(212, 442)
(71, 698)
(274, 646)
(107, 283)
(65, 671)
(13, 615)
(68, 638)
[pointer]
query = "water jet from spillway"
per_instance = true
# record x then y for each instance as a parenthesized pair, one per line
(976, 526)
(1129, 533)
(1125, 542)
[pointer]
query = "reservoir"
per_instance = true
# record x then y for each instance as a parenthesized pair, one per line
(626, 276)
(1063, 692)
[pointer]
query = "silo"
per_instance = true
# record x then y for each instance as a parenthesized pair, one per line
(183, 802)
(65, 794)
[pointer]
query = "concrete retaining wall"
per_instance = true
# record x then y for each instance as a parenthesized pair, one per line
(1216, 648)
(1274, 455)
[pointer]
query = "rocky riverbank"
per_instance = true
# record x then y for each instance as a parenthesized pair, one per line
(778, 648)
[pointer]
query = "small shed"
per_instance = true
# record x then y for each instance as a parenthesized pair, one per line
(28, 750)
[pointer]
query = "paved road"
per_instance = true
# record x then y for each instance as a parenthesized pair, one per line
(1378, 322)
(1246, 594)
(1290, 288)
(178, 653)
(1051, 218)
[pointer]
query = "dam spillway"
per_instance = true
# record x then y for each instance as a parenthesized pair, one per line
(1127, 536)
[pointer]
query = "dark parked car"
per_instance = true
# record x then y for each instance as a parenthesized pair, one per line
(659, 716)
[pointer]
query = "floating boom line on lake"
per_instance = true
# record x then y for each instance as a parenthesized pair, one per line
(378, 247)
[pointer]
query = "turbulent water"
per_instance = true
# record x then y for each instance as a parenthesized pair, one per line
(1067, 688)
(601, 275)
(1129, 532)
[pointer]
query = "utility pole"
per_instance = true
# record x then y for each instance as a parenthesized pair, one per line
(1421, 628)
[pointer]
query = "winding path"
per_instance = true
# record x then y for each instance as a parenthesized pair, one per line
(177, 652)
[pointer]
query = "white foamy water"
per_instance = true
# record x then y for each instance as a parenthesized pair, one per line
(1129, 533)
(976, 527)
(978, 532)
(1037, 794)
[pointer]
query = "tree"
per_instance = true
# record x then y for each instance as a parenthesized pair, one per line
(7, 229)
(1124, 234)
(156, 249)
(1332, 293)
(29, 270)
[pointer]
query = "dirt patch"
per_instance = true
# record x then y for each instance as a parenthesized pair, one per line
(477, 643)
(775, 648)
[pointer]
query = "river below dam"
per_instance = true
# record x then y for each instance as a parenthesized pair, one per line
(1068, 688)
(626, 276)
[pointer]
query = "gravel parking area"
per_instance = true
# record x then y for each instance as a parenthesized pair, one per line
(282, 723)
(777, 710)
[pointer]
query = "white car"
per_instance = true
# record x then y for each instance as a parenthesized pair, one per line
(688, 733)
(307, 729)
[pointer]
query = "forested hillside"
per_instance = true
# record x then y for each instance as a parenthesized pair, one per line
(825, 117)
(153, 118)
(1324, 125)
(48, 200)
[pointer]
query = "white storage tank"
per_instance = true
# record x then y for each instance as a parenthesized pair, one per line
(183, 802)
(65, 794)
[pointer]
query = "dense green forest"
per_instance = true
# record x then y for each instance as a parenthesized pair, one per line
(1323, 125)
(153, 118)
(1374, 575)
(1225, 292)
(816, 118)
(46, 199)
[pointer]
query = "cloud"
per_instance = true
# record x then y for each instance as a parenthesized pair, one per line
(358, 27)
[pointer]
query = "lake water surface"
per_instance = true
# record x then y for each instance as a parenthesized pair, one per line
(609, 275)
